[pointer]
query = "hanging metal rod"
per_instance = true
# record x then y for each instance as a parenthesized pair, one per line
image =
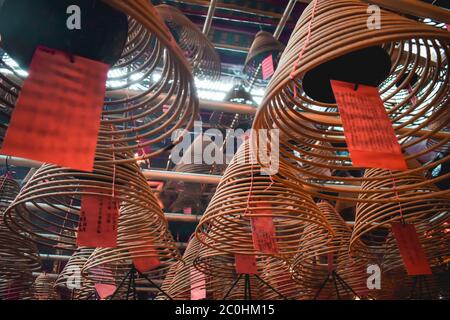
(209, 17)
(284, 18)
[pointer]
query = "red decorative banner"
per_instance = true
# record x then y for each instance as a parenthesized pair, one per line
(99, 216)
(412, 253)
(145, 257)
(263, 231)
(57, 115)
(368, 130)
(198, 284)
(105, 290)
(267, 67)
(245, 264)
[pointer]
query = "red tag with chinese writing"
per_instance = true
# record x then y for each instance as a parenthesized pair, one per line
(198, 284)
(412, 253)
(263, 231)
(267, 67)
(187, 210)
(99, 216)
(245, 264)
(105, 290)
(369, 134)
(57, 115)
(145, 257)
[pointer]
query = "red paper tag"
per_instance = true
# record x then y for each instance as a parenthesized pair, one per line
(448, 27)
(187, 210)
(57, 115)
(105, 290)
(166, 108)
(99, 216)
(267, 67)
(263, 231)
(370, 136)
(145, 258)
(330, 259)
(198, 284)
(245, 264)
(412, 253)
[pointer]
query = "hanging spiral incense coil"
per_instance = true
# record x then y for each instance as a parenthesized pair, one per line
(19, 257)
(184, 279)
(150, 89)
(430, 216)
(49, 204)
(70, 277)
(138, 243)
(339, 33)
(277, 274)
(263, 45)
(168, 279)
(220, 271)
(243, 194)
(312, 266)
(397, 285)
(43, 288)
(179, 195)
(196, 46)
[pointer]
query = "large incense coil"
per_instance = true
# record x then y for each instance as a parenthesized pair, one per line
(197, 48)
(70, 277)
(430, 217)
(311, 267)
(243, 193)
(151, 73)
(19, 257)
(263, 45)
(49, 204)
(400, 38)
(43, 288)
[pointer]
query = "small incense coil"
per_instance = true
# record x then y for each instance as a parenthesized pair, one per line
(430, 217)
(197, 48)
(312, 266)
(138, 240)
(180, 195)
(70, 277)
(220, 271)
(411, 107)
(397, 285)
(245, 193)
(49, 204)
(182, 280)
(263, 45)
(43, 288)
(277, 274)
(151, 73)
(19, 257)
(168, 279)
